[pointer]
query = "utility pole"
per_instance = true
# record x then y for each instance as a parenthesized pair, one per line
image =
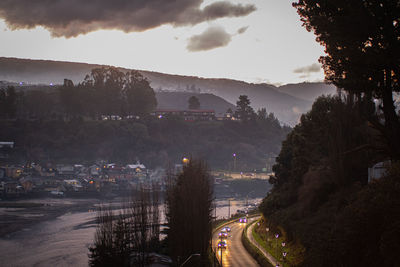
(221, 251)
(229, 209)
(215, 211)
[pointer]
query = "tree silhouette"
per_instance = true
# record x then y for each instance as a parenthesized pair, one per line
(140, 96)
(243, 109)
(361, 40)
(128, 238)
(8, 102)
(190, 212)
(194, 103)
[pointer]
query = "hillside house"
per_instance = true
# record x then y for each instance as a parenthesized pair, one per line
(187, 115)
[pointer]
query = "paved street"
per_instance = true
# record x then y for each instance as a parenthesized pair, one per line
(235, 254)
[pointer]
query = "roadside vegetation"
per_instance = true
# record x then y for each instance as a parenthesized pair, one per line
(322, 198)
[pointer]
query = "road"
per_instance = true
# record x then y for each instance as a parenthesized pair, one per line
(235, 254)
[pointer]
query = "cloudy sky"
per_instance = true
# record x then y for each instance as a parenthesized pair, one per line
(250, 40)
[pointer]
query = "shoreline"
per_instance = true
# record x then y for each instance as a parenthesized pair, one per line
(24, 214)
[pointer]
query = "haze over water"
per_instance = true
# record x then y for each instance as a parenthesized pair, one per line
(64, 241)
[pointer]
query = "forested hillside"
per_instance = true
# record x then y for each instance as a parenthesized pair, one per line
(321, 199)
(336, 194)
(286, 102)
(153, 142)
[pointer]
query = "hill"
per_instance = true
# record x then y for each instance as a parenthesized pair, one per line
(308, 91)
(286, 104)
(179, 100)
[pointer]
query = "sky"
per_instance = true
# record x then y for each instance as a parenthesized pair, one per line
(260, 41)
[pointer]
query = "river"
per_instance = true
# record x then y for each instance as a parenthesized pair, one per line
(64, 240)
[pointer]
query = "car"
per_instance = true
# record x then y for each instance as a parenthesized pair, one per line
(226, 228)
(222, 244)
(243, 220)
(223, 234)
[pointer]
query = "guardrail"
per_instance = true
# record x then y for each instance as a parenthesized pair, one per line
(215, 260)
(253, 250)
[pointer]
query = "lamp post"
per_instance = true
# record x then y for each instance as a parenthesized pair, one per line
(247, 201)
(229, 208)
(267, 229)
(234, 161)
(284, 256)
(221, 250)
(276, 238)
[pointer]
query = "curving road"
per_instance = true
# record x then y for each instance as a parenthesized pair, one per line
(235, 254)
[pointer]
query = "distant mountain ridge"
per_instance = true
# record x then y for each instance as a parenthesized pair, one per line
(179, 100)
(308, 91)
(286, 102)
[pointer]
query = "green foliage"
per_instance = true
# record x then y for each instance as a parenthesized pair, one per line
(253, 250)
(320, 195)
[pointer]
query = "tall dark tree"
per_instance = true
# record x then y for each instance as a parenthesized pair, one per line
(71, 99)
(362, 43)
(108, 84)
(243, 109)
(190, 212)
(140, 96)
(3, 99)
(194, 102)
(8, 102)
(36, 110)
(11, 103)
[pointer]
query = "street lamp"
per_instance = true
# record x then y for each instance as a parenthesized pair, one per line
(234, 161)
(276, 238)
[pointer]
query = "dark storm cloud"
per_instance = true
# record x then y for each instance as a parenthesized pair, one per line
(315, 67)
(73, 17)
(211, 38)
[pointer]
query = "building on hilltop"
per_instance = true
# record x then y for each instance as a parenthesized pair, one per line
(187, 115)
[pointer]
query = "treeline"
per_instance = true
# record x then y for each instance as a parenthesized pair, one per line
(154, 142)
(322, 201)
(103, 92)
